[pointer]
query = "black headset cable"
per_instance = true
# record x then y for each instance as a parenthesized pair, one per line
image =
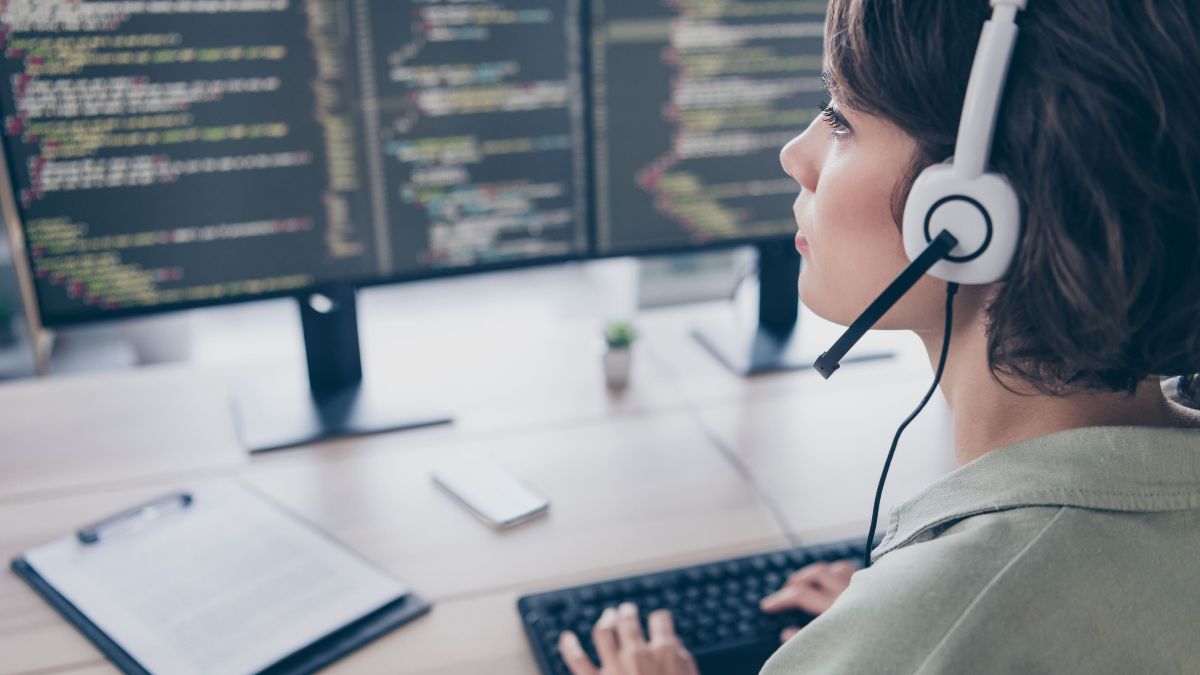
(951, 290)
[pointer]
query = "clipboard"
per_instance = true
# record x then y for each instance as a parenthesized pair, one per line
(308, 658)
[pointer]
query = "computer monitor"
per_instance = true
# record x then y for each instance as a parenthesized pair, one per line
(164, 155)
(692, 103)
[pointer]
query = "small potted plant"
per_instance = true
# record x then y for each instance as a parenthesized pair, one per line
(618, 358)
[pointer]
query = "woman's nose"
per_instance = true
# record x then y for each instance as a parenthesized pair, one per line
(800, 161)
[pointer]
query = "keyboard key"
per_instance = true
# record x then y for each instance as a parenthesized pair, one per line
(848, 552)
(800, 558)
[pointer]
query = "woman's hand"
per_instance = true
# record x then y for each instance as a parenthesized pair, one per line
(811, 589)
(623, 650)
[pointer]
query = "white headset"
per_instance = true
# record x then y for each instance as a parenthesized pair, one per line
(962, 223)
(979, 208)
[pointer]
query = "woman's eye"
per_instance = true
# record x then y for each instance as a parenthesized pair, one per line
(839, 128)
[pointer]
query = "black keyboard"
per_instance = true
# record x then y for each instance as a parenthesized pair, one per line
(715, 607)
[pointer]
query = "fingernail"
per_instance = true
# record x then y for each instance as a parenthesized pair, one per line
(606, 616)
(628, 608)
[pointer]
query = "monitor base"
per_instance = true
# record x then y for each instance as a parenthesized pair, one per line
(276, 414)
(755, 350)
(279, 410)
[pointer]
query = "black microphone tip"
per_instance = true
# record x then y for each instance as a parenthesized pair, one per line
(823, 365)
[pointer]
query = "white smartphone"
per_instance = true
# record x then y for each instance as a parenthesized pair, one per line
(488, 490)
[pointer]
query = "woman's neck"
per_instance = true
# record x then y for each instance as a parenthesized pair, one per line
(988, 416)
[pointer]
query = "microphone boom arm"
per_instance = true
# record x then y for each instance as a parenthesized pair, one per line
(830, 360)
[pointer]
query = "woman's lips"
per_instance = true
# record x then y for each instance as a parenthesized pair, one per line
(801, 242)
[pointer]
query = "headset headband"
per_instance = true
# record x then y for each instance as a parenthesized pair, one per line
(989, 71)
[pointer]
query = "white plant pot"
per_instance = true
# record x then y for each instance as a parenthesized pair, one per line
(617, 364)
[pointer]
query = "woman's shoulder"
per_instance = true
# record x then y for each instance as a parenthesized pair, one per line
(895, 612)
(1021, 581)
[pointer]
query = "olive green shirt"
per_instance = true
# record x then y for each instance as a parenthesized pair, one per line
(1077, 552)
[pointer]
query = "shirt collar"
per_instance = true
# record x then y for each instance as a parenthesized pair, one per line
(1111, 468)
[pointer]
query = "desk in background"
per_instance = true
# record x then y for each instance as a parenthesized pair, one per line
(667, 473)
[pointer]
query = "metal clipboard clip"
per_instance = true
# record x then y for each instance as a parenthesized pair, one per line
(139, 514)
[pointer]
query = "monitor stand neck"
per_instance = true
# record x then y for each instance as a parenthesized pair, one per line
(770, 342)
(273, 413)
(329, 319)
(778, 293)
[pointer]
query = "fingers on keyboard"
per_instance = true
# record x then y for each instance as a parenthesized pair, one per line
(802, 596)
(716, 610)
(662, 627)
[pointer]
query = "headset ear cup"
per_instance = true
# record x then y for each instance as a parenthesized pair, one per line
(982, 213)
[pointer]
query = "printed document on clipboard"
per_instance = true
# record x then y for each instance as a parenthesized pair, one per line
(216, 580)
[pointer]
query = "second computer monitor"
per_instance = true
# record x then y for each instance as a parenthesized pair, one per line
(692, 103)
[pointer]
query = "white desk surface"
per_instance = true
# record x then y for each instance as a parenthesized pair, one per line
(661, 475)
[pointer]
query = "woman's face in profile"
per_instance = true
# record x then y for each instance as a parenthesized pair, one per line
(848, 164)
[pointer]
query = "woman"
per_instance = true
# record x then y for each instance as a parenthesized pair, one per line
(1069, 538)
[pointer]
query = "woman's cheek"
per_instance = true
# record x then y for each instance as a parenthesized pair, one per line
(835, 282)
(856, 249)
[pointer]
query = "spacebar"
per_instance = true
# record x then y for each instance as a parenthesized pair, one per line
(735, 658)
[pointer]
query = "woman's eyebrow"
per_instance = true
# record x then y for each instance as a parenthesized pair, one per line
(831, 88)
(828, 82)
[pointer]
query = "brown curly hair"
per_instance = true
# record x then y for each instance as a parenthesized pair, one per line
(1099, 133)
